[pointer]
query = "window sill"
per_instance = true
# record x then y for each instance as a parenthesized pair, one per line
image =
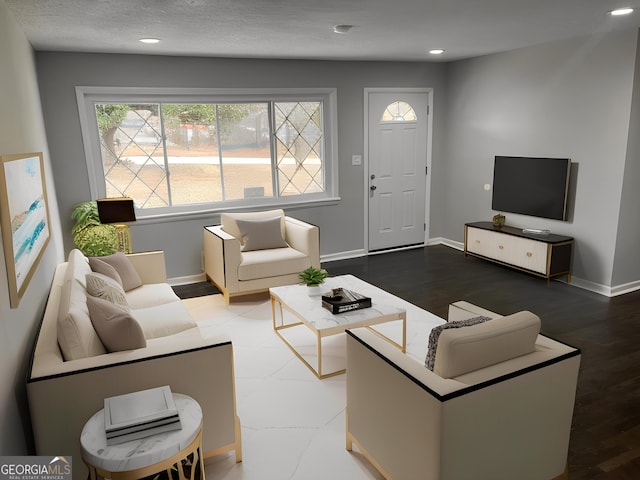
(207, 213)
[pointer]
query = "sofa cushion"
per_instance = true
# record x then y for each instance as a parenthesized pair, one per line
(100, 266)
(463, 350)
(230, 225)
(151, 295)
(435, 333)
(126, 270)
(117, 329)
(261, 234)
(101, 286)
(78, 267)
(163, 320)
(76, 336)
(272, 263)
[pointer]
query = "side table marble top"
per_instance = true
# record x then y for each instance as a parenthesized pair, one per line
(143, 452)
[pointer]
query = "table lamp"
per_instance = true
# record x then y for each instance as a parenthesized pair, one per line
(118, 212)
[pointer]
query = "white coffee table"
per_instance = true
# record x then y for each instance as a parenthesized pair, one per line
(308, 311)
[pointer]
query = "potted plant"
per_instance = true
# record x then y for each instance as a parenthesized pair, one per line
(313, 277)
(92, 238)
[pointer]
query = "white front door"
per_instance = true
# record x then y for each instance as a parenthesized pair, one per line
(397, 168)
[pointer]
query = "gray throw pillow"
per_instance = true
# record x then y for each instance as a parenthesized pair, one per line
(117, 329)
(261, 234)
(100, 266)
(101, 286)
(128, 275)
(434, 336)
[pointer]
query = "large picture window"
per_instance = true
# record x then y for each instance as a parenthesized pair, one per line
(181, 152)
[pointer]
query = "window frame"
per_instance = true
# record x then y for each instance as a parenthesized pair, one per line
(88, 96)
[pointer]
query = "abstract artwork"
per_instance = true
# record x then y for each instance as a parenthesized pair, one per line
(24, 217)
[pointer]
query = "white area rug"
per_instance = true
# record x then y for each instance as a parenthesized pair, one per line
(293, 425)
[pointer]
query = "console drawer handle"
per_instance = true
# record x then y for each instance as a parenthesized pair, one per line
(529, 254)
(501, 247)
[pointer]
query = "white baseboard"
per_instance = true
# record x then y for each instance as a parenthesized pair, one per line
(609, 291)
(447, 242)
(201, 277)
(331, 257)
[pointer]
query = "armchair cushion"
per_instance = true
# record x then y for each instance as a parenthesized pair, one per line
(463, 350)
(434, 336)
(261, 234)
(271, 263)
(230, 225)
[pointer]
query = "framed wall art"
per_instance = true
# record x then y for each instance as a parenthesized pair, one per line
(24, 218)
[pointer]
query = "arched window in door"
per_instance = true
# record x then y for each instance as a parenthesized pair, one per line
(399, 112)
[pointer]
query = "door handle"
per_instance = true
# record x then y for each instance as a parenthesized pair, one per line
(372, 187)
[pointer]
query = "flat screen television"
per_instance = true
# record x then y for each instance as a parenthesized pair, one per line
(531, 186)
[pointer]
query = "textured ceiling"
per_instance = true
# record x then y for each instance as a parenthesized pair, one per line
(383, 30)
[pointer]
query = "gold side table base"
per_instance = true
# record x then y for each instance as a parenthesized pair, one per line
(187, 464)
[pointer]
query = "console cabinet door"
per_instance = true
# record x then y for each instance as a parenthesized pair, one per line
(479, 241)
(516, 251)
(531, 255)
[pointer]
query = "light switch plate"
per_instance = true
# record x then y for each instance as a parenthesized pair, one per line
(356, 160)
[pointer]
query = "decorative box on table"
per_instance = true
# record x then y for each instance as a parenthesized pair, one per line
(341, 300)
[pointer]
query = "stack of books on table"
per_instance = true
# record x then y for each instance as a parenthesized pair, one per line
(341, 300)
(140, 414)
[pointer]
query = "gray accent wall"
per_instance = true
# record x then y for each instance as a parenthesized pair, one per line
(564, 99)
(341, 225)
(21, 131)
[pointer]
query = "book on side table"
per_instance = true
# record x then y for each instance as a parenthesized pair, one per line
(140, 414)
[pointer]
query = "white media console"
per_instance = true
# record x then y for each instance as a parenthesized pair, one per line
(542, 255)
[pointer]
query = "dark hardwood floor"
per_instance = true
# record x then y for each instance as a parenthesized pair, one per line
(605, 438)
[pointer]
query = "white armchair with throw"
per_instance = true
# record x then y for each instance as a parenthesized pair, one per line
(252, 251)
(493, 401)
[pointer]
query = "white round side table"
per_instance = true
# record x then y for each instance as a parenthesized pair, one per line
(178, 450)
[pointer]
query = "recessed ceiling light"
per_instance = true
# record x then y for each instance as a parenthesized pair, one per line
(342, 29)
(621, 11)
(149, 40)
(436, 51)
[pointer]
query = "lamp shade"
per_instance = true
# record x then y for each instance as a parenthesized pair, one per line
(116, 210)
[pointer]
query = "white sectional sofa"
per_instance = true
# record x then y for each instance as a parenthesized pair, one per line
(71, 371)
(497, 405)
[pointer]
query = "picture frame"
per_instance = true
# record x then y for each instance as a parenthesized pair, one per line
(24, 218)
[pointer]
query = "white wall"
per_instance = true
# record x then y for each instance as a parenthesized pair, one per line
(21, 131)
(564, 99)
(627, 259)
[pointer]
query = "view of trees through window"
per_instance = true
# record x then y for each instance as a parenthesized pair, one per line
(164, 154)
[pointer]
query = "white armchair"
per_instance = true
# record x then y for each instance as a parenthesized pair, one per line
(506, 420)
(251, 252)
